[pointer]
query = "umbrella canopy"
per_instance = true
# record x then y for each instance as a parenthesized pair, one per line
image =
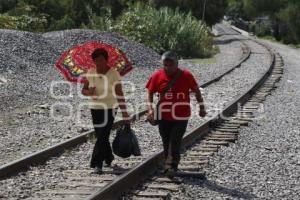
(75, 62)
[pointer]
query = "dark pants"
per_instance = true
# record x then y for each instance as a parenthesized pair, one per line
(171, 133)
(102, 121)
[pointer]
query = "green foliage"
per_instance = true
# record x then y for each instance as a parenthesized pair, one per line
(59, 12)
(214, 12)
(174, 28)
(166, 29)
(7, 22)
(6, 5)
(289, 18)
(235, 9)
(261, 28)
(65, 23)
(284, 17)
(23, 22)
(103, 21)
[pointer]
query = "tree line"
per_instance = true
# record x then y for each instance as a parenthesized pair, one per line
(283, 16)
(67, 14)
(47, 15)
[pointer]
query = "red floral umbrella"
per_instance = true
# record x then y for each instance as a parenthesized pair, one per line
(76, 61)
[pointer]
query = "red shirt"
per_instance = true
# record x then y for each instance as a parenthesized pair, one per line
(175, 104)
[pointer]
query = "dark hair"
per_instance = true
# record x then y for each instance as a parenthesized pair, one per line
(169, 55)
(100, 52)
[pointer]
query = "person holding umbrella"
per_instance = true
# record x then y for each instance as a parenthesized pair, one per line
(104, 88)
(99, 66)
(173, 108)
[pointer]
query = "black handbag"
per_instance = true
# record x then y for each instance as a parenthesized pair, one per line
(154, 121)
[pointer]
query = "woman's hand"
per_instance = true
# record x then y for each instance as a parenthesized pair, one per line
(88, 91)
(92, 91)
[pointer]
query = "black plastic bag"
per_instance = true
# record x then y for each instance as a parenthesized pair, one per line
(125, 143)
(136, 151)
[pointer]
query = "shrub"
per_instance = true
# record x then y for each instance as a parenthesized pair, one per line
(166, 29)
(289, 19)
(261, 28)
(24, 22)
(103, 21)
(65, 23)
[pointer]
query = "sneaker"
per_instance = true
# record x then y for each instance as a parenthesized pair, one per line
(97, 170)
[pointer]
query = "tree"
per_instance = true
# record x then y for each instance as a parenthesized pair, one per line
(283, 14)
(289, 20)
(214, 12)
(6, 5)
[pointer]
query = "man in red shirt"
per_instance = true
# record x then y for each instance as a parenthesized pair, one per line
(174, 108)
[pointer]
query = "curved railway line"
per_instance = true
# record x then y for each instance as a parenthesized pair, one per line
(200, 144)
(43, 155)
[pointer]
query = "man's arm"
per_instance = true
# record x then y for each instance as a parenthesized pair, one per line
(150, 102)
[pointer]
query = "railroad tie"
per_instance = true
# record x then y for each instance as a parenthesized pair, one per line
(61, 192)
(227, 125)
(190, 168)
(221, 138)
(195, 162)
(244, 119)
(165, 180)
(150, 195)
(227, 130)
(225, 143)
(169, 186)
(229, 134)
(199, 153)
(70, 197)
(100, 178)
(205, 149)
(241, 123)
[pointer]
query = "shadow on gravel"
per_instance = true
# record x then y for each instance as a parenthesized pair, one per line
(223, 42)
(218, 188)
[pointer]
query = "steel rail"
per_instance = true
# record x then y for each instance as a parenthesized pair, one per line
(137, 174)
(55, 150)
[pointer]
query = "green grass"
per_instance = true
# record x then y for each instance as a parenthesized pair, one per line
(272, 39)
(212, 60)
(297, 46)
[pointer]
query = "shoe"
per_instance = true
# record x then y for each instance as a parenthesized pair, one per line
(97, 170)
(170, 172)
(109, 161)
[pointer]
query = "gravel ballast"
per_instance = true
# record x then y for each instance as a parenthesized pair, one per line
(264, 162)
(220, 93)
(26, 102)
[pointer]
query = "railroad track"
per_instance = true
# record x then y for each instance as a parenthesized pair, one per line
(200, 144)
(208, 139)
(43, 155)
(198, 153)
(80, 184)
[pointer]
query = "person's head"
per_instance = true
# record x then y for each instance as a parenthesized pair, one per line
(170, 62)
(100, 57)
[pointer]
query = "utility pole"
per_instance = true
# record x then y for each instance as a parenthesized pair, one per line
(204, 8)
